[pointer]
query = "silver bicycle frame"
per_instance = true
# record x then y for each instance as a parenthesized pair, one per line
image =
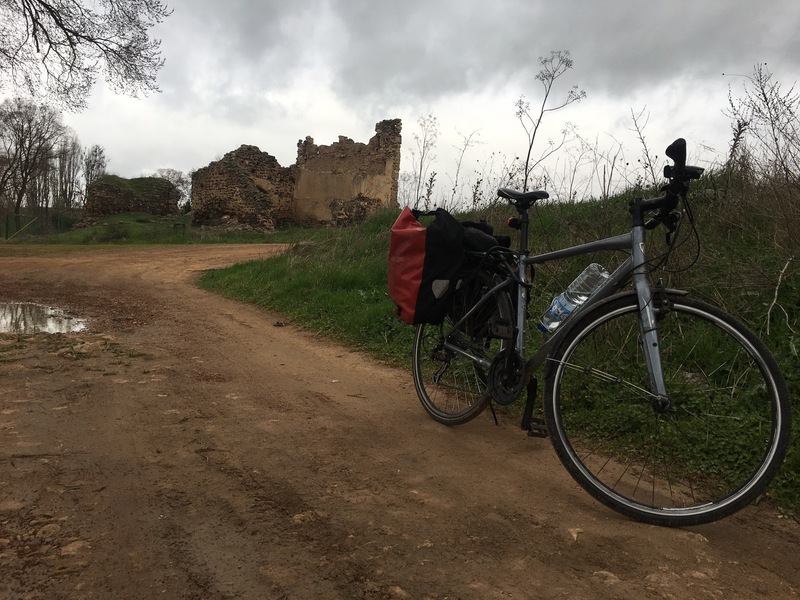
(633, 268)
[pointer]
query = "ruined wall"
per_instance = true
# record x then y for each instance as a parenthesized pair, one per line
(246, 185)
(110, 195)
(337, 184)
(347, 180)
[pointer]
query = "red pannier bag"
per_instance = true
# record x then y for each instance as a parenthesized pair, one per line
(423, 265)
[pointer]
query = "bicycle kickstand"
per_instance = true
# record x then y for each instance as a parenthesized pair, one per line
(534, 426)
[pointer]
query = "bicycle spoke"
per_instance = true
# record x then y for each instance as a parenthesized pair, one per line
(450, 381)
(710, 451)
(607, 377)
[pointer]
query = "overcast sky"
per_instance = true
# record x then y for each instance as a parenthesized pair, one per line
(269, 73)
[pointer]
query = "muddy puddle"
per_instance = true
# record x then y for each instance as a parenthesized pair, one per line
(25, 317)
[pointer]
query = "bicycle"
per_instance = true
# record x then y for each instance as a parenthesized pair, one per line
(662, 407)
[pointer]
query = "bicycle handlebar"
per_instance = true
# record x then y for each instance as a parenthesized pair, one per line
(679, 176)
(680, 173)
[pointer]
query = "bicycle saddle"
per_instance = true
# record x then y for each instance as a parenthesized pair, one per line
(533, 196)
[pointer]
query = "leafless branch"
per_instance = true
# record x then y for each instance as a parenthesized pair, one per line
(774, 302)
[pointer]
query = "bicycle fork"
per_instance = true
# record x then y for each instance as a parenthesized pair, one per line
(648, 330)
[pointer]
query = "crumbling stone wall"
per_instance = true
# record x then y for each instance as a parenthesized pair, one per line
(110, 195)
(247, 186)
(337, 184)
(347, 180)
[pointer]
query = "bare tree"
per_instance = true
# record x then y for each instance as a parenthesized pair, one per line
(65, 173)
(30, 133)
(181, 181)
(55, 48)
(8, 157)
(94, 165)
(37, 192)
(553, 68)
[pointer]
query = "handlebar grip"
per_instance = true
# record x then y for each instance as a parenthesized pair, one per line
(677, 152)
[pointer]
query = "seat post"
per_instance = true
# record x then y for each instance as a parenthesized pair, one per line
(522, 208)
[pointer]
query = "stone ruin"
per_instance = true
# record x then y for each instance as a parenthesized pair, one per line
(338, 184)
(110, 195)
(245, 187)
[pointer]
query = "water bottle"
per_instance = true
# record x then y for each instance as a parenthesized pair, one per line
(576, 294)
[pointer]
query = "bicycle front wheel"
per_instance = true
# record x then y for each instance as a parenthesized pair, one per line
(450, 364)
(713, 450)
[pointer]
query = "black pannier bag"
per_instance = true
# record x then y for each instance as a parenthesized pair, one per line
(479, 237)
(424, 263)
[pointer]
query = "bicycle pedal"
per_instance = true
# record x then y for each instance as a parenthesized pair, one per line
(537, 428)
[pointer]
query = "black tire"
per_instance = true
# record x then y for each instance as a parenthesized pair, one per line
(451, 386)
(711, 453)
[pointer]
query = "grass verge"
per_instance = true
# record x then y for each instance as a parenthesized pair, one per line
(143, 228)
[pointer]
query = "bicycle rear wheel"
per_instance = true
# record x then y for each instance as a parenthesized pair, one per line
(448, 375)
(715, 449)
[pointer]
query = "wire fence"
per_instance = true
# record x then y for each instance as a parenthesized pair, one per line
(13, 225)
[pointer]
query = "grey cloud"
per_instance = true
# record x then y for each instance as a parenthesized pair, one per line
(417, 50)
(389, 53)
(218, 52)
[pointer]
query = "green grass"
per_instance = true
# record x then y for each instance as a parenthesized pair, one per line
(143, 228)
(714, 433)
(140, 186)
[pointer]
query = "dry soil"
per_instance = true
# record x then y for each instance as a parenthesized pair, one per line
(189, 446)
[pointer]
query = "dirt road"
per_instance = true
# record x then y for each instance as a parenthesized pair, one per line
(187, 446)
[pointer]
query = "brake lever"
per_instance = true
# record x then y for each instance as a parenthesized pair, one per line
(671, 221)
(652, 223)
